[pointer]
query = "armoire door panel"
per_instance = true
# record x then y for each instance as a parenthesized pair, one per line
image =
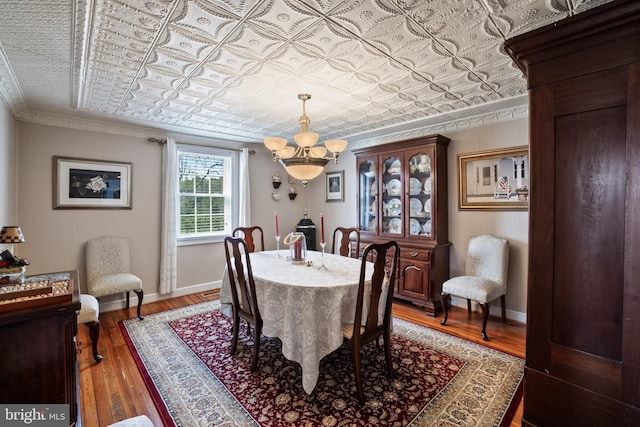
(589, 226)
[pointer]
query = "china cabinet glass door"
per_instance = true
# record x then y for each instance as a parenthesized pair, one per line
(420, 203)
(392, 195)
(368, 193)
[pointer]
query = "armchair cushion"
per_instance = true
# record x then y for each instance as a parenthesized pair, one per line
(114, 283)
(474, 288)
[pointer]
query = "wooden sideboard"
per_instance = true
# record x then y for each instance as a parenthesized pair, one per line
(38, 362)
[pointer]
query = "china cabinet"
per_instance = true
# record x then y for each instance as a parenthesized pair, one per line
(402, 196)
(583, 303)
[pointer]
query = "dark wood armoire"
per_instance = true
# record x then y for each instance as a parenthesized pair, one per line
(583, 307)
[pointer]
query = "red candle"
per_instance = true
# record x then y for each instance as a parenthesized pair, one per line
(322, 227)
(277, 230)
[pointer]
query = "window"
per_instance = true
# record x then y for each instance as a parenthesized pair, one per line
(207, 178)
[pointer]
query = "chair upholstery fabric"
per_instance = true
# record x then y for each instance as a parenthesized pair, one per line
(375, 323)
(243, 294)
(109, 269)
(341, 240)
(251, 236)
(485, 276)
(89, 314)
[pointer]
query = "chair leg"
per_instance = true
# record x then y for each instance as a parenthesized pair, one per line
(504, 311)
(140, 294)
(485, 317)
(444, 300)
(235, 332)
(355, 356)
(256, 347)
(127, 304)
(387, 351)
(94, 334)
(468, 306)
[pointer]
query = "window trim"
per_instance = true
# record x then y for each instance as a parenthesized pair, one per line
(234, 155)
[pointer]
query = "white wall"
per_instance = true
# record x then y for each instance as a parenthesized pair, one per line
(462, 224)
(55, 238)
(8, 169)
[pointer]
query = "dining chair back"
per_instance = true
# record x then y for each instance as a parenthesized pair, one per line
(251, 235)
(108, 265)
(342, 238)
(373, 306)
(485, 277)
(243, 294)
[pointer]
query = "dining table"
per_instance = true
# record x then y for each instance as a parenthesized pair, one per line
(304, 305)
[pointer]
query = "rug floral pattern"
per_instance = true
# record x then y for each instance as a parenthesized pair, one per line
(439, 380)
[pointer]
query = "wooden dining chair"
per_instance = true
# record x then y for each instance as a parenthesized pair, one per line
(251, 236)
(377, 322)
(243, 294)
(342, 239)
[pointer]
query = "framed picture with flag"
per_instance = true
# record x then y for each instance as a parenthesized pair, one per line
(494, 179)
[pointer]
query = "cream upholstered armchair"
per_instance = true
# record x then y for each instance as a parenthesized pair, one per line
(109, 269)
(485, 280)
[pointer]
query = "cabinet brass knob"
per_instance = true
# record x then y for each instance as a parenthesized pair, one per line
(413, 254)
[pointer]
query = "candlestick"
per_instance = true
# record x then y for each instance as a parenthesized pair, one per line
(277, 229)
(322, 227)
(277, 246)
(322, 266)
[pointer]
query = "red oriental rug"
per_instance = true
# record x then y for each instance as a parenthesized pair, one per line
(440, 380)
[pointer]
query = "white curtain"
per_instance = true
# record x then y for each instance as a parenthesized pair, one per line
(169, 250)
(244, 219)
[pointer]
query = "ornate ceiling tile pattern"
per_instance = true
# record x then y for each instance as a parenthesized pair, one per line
(233, 68)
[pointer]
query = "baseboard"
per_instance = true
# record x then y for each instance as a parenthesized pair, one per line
(120, 303)
(494, 310)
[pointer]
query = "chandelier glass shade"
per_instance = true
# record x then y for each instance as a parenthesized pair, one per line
(305, 161)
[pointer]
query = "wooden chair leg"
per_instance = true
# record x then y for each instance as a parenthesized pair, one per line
(485, 317)
(387, 351)
(235, 333)
(256, 347)
(444, 299)
(504, 311)
(94, 334)
(127, 304)
(140, 294)
(468, 306)
(355, 355)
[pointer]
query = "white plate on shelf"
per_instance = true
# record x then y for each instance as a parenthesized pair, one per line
(415, 186)
(415, 206)
(393, 207)
(427, 205)
(426, 227)
(394, 187)
(414, 226)
(427, 186)
(394, 168)
(374, 207)
(395, 226)
(372, 225)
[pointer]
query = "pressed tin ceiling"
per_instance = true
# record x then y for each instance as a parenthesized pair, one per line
(232, 69)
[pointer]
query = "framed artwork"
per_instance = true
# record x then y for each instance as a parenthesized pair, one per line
(91, 184)
(494, 179)
(334, 182)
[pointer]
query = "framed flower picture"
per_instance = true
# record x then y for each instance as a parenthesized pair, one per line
(91, 184)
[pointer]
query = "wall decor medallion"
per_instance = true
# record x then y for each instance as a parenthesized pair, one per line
(494, 179)
(91, 184)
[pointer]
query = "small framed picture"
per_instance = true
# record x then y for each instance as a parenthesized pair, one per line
(91, 184)
(334, 182)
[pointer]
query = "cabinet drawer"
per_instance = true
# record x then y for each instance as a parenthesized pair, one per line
(409, 254)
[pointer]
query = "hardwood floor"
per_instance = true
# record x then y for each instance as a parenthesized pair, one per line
(114, 390)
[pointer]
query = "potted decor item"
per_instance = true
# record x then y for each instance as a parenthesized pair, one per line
(522, 193)
(276, 180)
(292, 192)
(12, 268)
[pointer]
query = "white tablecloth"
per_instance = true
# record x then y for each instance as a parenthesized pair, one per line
(303, 305)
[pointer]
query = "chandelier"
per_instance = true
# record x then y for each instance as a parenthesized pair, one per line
(305, 161)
